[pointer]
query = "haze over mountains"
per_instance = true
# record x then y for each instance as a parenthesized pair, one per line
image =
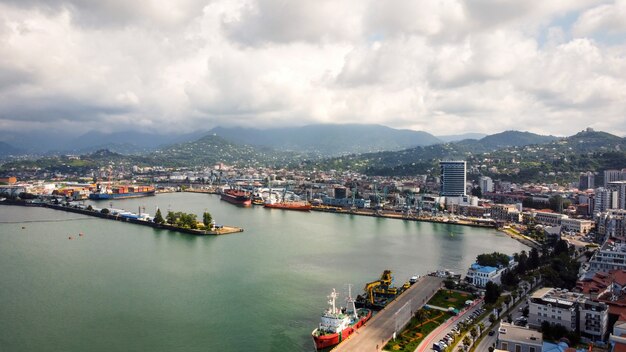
(322, 140)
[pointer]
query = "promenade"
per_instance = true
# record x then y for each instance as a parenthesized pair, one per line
(375, 334)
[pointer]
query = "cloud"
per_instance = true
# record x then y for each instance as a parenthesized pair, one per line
(282, 21)
(606, 18)
(444, 66)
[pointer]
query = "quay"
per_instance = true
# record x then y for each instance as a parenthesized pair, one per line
(392, 319)
(394, 215)
(223, 230)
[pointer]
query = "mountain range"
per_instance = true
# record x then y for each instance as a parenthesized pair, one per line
(322, 140)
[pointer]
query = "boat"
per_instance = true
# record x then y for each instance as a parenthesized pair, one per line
(302, 206)
(105, 192)
(258, 200)
(337, 324)
(285, 204)
(236, 196)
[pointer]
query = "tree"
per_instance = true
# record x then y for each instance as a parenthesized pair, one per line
(206, 219)
(533, 259)
(449, 284)
(514, 294)
(507, 300)
(420, 315)
(104, 211)
(492, 292)
(158, 218)
(522, 263)
(474, 333)
(492, 318)
(494, 259)
(466, 342)
(561, 247)
(90, 208)
(477, 192)
(171, 218)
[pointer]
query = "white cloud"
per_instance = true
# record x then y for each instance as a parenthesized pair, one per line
(606, 18)
(443, 66)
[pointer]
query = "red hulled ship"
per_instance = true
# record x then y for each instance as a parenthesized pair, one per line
(339, 323)
(236, 196)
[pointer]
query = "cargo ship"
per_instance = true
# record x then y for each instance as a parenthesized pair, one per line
(301, 206)
(104, 192)
(337, 324)
(236, 196)
(380, 293)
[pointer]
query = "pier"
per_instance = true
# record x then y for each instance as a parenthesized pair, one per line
(392, 319)
(222, 230)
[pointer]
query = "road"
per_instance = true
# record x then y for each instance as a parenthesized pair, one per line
(489, 341)
(375, 334)
(441, 331)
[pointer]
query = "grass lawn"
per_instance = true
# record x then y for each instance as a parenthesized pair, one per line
(416, 330)
(447, 298)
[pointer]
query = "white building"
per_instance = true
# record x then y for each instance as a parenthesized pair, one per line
(548, 219)
(479, 275)
(571, 310)
(620, 188)
(513, 338)
(576, 225)
(605, 199)
(486, 184)
(611, 223)
(611, 256)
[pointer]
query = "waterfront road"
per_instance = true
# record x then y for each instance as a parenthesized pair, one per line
(446, 327)
(375, 334)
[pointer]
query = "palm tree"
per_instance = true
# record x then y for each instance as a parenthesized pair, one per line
(466, 342)
(507, 300)
(474, 333)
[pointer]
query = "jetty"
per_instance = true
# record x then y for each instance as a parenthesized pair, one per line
(218, 230)
(392, 319)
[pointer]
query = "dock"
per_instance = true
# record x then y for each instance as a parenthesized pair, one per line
(380, 329)
(389, 214)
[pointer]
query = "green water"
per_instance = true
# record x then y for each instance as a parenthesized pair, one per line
(125, 287)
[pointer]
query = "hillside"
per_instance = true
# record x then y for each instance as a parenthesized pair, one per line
(7, 150)
(587, 150)
(329, 140)
(212, 149)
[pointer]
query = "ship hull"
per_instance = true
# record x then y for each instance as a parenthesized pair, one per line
(288, 206)
(329, 340)
(107, 196)
(238, 200)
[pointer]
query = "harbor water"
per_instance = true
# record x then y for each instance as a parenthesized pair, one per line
(126, 287)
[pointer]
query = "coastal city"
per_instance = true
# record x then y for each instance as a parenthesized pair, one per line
(563, 292)
(313, 176)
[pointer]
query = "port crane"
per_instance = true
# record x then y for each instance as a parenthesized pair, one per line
(384, 281)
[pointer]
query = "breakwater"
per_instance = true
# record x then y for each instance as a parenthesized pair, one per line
(224, 230)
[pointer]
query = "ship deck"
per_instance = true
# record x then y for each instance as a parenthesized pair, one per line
(375, 334)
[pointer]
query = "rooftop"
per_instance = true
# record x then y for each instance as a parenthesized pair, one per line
(509, 332)
(483, 269)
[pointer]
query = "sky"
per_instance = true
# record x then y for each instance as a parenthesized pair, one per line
(445, 67)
